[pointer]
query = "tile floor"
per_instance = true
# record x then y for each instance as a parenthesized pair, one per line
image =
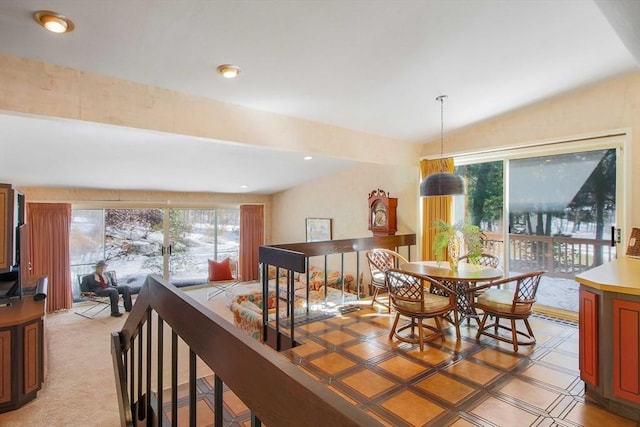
(451, 383)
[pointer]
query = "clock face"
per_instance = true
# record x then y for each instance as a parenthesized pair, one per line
(379, 215)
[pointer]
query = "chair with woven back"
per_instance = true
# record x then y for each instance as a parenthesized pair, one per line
(514, 304)
(485, 260)
(419, 298)
(380, 260)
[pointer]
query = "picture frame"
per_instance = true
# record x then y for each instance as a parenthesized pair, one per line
(318, 229)
(633, 247)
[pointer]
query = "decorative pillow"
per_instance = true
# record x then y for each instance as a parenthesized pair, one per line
(282, 272)
(315, 285)
(315, 273)
(316, 278)
(220, 270)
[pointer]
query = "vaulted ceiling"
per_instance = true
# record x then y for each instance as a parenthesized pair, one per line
(370, 66)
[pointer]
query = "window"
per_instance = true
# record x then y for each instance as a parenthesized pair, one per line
(549, 208)
(174, 243)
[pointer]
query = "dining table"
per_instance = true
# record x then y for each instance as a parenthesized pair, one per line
(461, 280)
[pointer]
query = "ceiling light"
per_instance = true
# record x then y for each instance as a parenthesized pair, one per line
(53, 21)
(244, 186)
(307, 157)
(443, 183)
(229, 71)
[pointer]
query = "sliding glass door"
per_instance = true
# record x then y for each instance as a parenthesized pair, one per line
(483, 204)
(561, 211)
(197, 235)
(129, 240)
(547, 209)
(173, 243)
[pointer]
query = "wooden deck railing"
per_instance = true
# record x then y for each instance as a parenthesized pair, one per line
(276, 392)
(561, 257)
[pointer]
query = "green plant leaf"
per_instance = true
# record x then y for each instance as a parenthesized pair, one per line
(471, 234)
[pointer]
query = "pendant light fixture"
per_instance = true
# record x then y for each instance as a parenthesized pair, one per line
(442, 183)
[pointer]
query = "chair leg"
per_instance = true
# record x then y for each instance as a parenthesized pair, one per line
(439, 325)
(373, 298)
(526, 323)
(514, 334)
(97, 304)
(456, 324)
(395, 324)
(420, 334)
(481, 325)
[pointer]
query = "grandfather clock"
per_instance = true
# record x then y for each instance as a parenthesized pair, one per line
(382, 213)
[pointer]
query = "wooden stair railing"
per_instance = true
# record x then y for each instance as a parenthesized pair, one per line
(276, 392)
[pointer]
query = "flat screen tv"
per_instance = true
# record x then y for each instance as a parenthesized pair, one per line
(10, 284)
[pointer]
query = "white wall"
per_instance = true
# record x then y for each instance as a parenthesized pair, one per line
(343, 197)
(612, 106)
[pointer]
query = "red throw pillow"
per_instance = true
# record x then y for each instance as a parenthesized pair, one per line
(220, 270)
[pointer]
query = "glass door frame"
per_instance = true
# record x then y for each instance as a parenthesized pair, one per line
(103, 206)
(216, 220)
(620, 141)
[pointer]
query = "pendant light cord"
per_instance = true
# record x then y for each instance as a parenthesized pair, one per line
(441, 99)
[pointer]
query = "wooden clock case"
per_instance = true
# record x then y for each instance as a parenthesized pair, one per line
(382, 213)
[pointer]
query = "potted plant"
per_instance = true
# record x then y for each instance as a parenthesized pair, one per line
(453, 237)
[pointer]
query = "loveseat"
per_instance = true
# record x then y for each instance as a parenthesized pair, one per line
(246, 299)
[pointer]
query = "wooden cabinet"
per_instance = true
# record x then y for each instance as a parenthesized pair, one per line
(5, 366)
(610, 335)
(588, 337)
(6, 227)
(21, 352)
(626, 350)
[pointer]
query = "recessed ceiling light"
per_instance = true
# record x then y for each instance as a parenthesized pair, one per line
(229, 71)
(53, 21)
(307, 157)
(244, 186)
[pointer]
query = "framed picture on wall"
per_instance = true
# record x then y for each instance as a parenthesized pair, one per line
(318, 229)
(633, 248)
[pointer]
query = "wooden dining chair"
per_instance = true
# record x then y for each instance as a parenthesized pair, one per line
(380, 260)
(512, 304)
(485, 260)
(418, 298)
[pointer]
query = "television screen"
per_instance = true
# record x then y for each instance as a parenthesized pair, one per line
(9, 284)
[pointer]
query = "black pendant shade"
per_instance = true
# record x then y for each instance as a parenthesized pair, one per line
(442, 184)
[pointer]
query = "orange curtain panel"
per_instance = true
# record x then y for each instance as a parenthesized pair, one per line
(433, 207)
(251, 238)
(49, 227)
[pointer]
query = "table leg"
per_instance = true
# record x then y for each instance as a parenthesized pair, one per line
(465, 302)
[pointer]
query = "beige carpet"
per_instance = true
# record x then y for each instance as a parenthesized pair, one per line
(79, 386)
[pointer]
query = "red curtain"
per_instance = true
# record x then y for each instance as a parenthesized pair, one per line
(49, 226)
(251, 238)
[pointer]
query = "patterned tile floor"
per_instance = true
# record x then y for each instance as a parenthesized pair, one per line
(451, 383)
